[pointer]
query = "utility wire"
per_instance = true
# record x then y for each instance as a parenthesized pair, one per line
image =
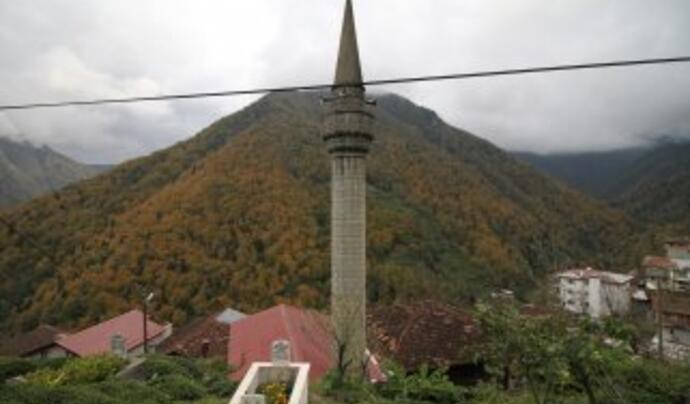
(457, 76)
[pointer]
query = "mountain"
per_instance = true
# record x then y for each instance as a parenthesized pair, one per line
(27, 171)
(595, 173)
(656, 188)
(239, 216)
(651, 184)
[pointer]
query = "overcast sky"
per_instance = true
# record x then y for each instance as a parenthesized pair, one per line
(54, 50)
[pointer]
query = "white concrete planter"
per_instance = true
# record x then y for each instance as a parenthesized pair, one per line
(296, 375)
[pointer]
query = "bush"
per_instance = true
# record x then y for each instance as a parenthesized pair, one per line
(78, 371)
(12, 367)
(128, 391)
(158, 366)
(425, 385)
(651, 381)
(178, 387)
(41, 394)
(50, 363)
(221, 386)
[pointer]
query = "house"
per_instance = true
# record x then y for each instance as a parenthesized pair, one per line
(431, 333)
(205, 337)
(595, 293)
(98, 339)
(308, 333)
(678, 249)
(671, 274)
(39, 343)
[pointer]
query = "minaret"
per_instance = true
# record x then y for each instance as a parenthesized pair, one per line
(347, 133)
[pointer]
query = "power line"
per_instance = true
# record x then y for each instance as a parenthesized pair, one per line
(456, 76)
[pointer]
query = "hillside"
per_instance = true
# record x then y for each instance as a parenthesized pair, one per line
(239, 216)
(651, 184)
(595, 173)
(656, 188)
(27, 171)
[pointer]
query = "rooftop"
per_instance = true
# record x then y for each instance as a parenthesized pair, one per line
(589, 273)
(652, 261)
(307, 331)
(96, 339)
(26, 344)
(203, 337)
(427, 332)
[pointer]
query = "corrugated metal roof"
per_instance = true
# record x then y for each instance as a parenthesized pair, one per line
(307, 331)
(96, 340)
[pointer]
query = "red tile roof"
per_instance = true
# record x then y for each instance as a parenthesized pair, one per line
(307, 331)
(189, 340)
(427, 332)
(658, 262)
(26, 344)
(96, 340)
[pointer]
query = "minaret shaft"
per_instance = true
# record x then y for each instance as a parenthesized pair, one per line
(348, 135)
(348, 256)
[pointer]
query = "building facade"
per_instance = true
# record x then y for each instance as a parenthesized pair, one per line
(594, 293)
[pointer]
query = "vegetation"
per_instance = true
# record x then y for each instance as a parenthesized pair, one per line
(556, 359)
(246, 203)
(27, 171)
(92, 380)
(78, 371)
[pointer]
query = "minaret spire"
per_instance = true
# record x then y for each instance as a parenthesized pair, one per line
(347, 132)
(348, 69)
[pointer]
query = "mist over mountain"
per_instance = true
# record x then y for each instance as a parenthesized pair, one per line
(27, 171)
(650, 183)
(238, 216)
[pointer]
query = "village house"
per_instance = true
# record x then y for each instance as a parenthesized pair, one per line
(667, 283)
(98, 339)
(39, 343)
(672, 272)
(308, 333)
(427, 333)
(127, 329)
(595, 293)
(204, 337)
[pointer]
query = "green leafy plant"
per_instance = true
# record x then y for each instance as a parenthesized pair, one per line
(178, 387)
(78, 371)
(12, 367)
(426, 385)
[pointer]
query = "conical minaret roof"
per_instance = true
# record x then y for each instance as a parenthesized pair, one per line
(348, 70)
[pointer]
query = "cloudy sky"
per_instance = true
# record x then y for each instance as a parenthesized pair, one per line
(55, 50)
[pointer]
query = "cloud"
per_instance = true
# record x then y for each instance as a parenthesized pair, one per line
(64, 49)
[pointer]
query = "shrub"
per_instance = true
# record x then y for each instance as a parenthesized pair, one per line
(128, 391)
(178, 387)
(157, 366)
(221, 386)
(12, 367)
(425, 385)
(651, 381)
(78, 371)
(24, 393)
(50, 363)
(41, 394)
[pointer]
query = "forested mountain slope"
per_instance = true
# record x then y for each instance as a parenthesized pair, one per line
(656, 188)
(239, 216)
(595, 173)
(651, 184)
(27, 171)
